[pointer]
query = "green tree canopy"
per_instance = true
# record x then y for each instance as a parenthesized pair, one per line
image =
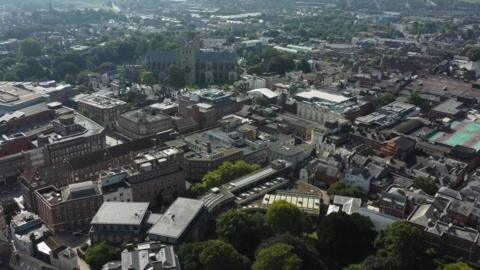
(401, 246)
(386, 98)
(457, 266)
(10, 209)
(211, 255)
(280, 64)
(66, 68)
(244, 231)
(277, 257)
(147, 78)
(107, 66)
(415, 99)
(101, 253)
(283, 216)
(426, 184)
(29, 48)
(226, 172)
(345, 239)
(303, 247)
(339, 188)
(354, 267)
(176, 77)
(473, 54)
(304, 66)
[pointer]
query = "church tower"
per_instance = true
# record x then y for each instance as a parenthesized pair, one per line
(188, 59)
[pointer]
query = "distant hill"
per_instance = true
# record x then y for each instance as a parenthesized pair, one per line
(62, 4)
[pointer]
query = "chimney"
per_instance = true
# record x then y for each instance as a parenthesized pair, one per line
(209, 147)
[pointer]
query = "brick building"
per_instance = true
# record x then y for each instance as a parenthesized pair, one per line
(70, 208)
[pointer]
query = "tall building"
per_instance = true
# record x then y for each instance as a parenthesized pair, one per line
(45, 134)
(103, 110)
(70, 208)
(153, 176)
(200, 67)
(207, 106)
(143, 123)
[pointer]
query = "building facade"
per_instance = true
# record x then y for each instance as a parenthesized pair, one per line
(68, 209)
(143, 123)
(103, 110)
(119, 222)
(200, 67)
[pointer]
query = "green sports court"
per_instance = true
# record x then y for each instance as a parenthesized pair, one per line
(466, 133)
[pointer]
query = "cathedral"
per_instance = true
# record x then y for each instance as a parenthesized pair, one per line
(200, 66)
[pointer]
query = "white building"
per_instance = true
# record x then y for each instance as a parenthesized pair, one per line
(358, 177)
(254, 82)
(26, 229)
(322, 107)
(263, 93)
(114, 186)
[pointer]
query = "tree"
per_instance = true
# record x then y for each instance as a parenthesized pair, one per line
(101, 253)
(10, 76)
(280, 64)
(303, 247)
(10, 209)
(400, 246)
(376, 263)
(304, 66)
(29, 48)
(211, 255)
(277, 257)
(66, 68)
(354, 267)
(457, 266)
(283, 216)
(243, 231)
(386, 98)
(345, 239)
(147, 78)
(257, 69)
(339, 188)
(107, 66)
(473, 54)
(176, 77)
(426, 184)
(223, 174)
(415, 99)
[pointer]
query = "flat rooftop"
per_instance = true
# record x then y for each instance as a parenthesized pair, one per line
(398, 107)
(450, 106)
(177, 218)
(102, 101)
(121, 213)
(142, 115)
(442, 86)
(322, 96)
(15, 93)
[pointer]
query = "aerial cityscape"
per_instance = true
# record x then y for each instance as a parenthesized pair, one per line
(237, 135)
